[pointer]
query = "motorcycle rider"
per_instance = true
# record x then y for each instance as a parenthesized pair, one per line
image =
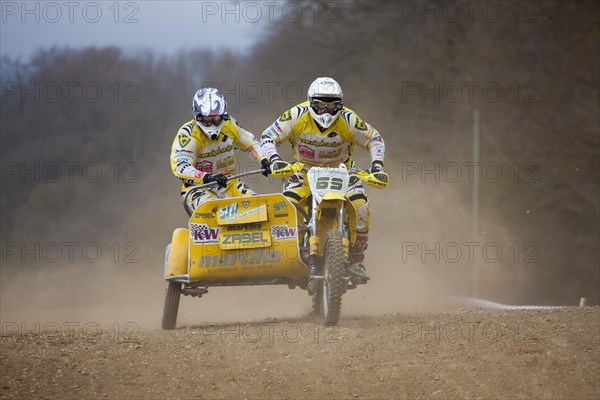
(323, 133)
(203, 151)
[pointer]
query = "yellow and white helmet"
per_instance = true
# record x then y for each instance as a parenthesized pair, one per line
(325, 98)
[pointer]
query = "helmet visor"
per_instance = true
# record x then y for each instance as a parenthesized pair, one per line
(214, 120)
(330, 107)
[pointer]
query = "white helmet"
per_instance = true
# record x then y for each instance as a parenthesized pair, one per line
(210, 112)
(325, 99)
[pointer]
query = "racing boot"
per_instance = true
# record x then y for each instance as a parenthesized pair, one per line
(357, 256)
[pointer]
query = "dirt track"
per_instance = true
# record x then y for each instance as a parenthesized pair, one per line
(457, 354)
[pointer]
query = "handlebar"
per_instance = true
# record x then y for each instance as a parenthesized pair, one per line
(364, 175)
(376, 179)
(209, 184)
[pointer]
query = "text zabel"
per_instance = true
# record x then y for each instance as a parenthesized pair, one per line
(246, 238)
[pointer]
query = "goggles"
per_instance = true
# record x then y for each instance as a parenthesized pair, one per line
(330, 107)
(210, 120)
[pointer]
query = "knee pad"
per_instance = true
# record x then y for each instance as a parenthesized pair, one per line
(363, 214)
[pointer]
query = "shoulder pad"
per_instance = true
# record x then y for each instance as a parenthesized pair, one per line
(346, 115)
(286, 116)
(352, 119)
(188, 127)
(302, 109)
(184, 135)
(294, 113)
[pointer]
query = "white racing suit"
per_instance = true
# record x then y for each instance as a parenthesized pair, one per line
(194, 155)
(326, 148)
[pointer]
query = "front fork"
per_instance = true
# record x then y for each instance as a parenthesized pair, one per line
(343, 229)
(314, 243)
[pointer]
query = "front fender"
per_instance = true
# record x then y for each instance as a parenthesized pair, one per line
(333, 196)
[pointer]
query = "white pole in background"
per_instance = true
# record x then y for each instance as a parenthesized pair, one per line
(475, 199)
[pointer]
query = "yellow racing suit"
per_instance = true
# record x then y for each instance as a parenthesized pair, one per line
(314, 146)
(194, 155)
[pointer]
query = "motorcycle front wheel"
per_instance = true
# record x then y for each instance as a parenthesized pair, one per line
(332, 287)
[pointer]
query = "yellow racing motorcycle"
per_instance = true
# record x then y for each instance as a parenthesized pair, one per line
(268, 240)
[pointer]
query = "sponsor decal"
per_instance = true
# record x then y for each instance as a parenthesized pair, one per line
(286, 116)
(377, 138)
(280, 209)
(268, 136)
(246, 238)
(265, 143)
(216, 152)
(203, 234)
(183, 152)
(332, 134)
(260, 256)
(377, 183)
(244, 214)
(278, 127)
(182, 159)
(204, 215)
(245, 227)
(330, 154)
(204, 166)
(221, 270)
(246, 204)
(283, 232)
(228, 210)
(360, 125)
(306, 151)
(184, 139)
(225, 163)
(318, 143)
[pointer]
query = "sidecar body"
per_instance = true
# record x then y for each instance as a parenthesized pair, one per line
(238, 241)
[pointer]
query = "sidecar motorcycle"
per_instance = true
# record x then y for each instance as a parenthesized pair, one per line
(268, 240)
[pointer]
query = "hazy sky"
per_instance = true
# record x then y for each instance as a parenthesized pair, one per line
(165, 26)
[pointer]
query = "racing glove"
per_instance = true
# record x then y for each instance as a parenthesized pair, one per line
(376, 166)
(219, 178)
(265, 166)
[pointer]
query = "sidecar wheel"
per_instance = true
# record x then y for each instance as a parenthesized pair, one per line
(317, 301)
(332, 288)
(171, 305)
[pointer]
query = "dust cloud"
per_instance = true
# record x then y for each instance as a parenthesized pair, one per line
(407, 219)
